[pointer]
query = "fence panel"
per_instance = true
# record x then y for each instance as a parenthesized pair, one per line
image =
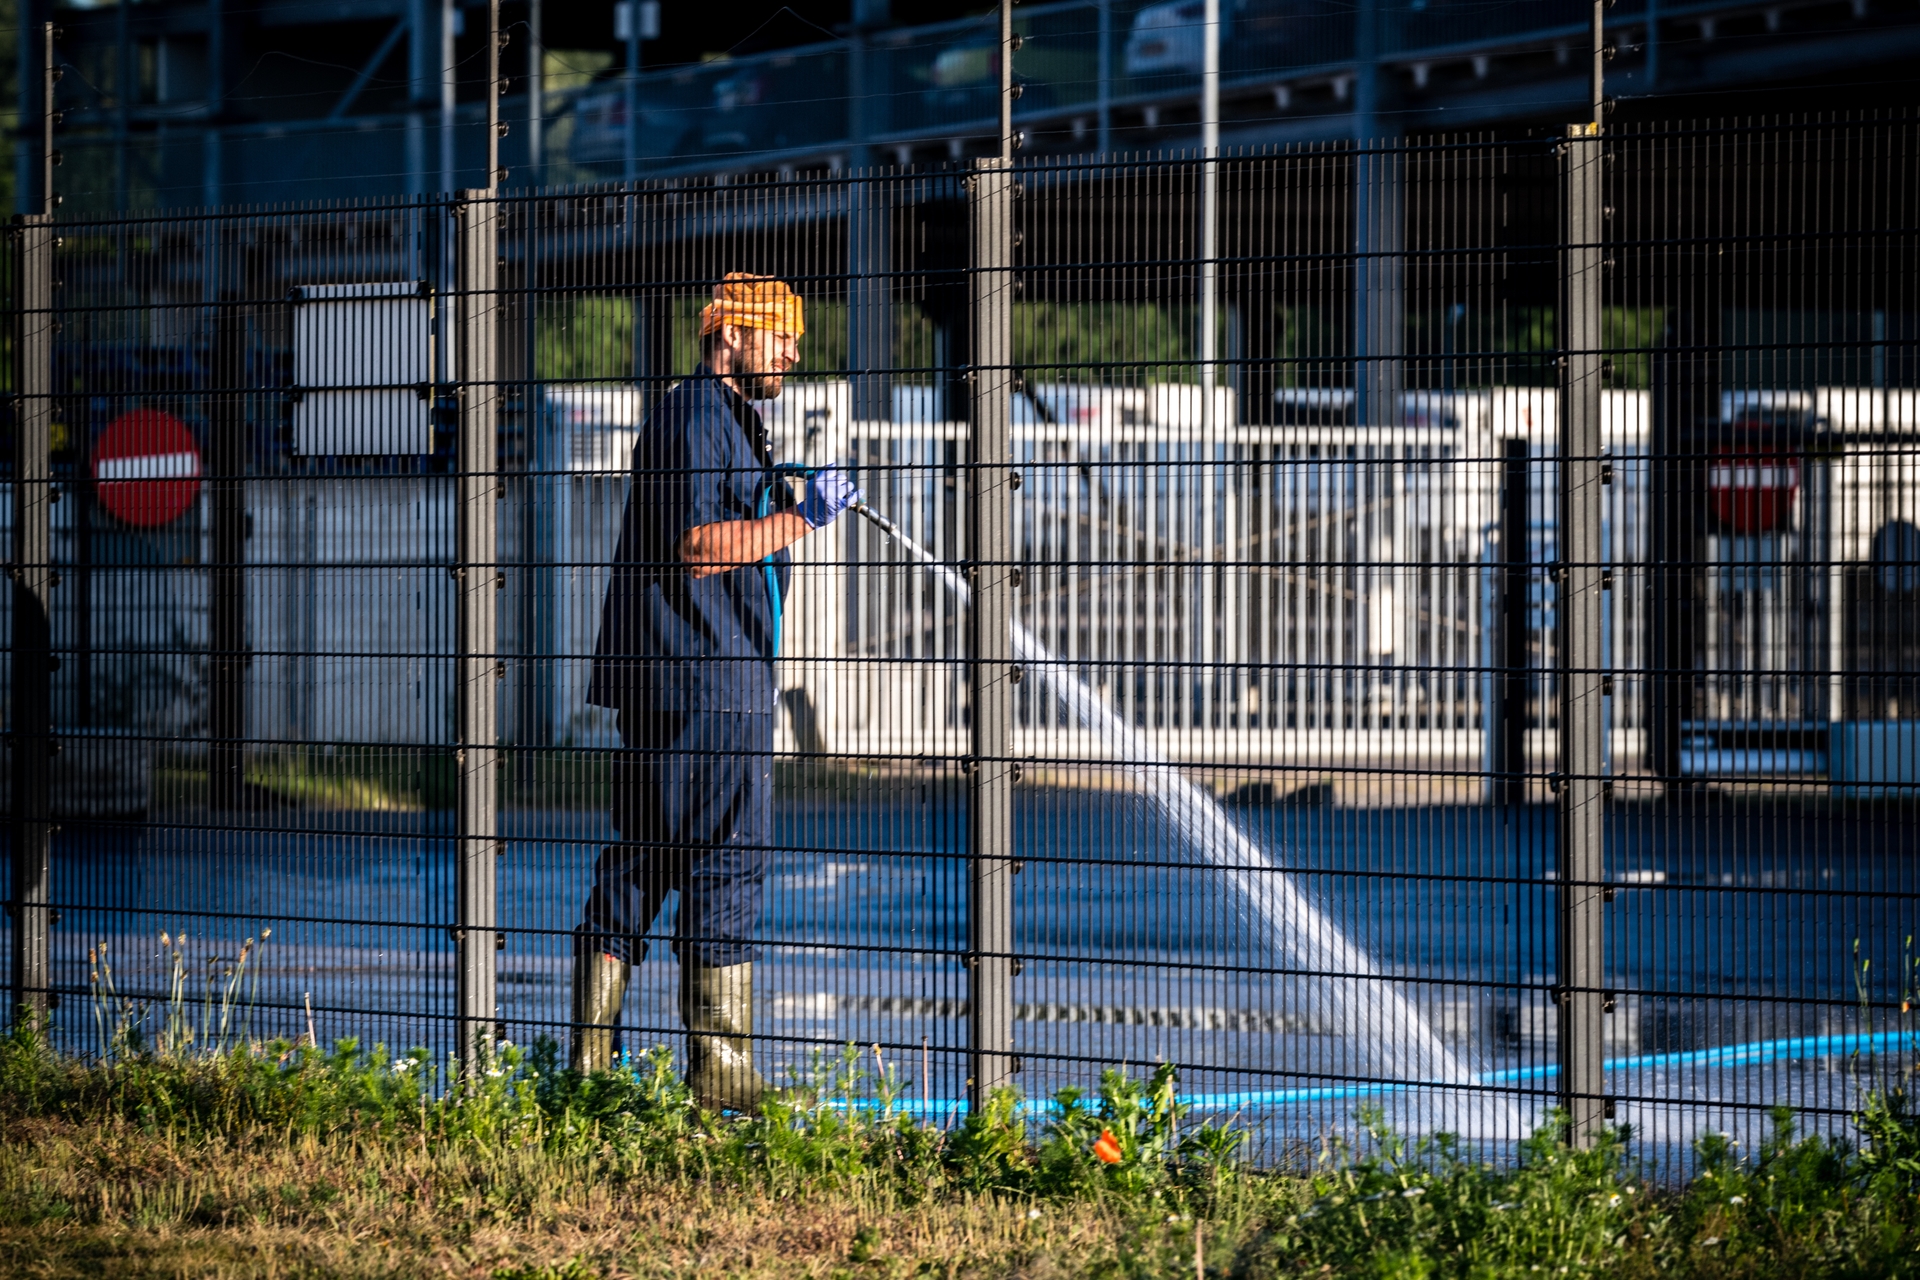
(1287, 662)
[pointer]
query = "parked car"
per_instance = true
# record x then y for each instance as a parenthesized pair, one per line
(1169, 39)
(600, 126)
(963, 82)
(766, 104)
(737, 122)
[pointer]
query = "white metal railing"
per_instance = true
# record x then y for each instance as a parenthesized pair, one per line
(1268, 594)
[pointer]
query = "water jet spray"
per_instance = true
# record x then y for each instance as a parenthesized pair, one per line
(1355, 999)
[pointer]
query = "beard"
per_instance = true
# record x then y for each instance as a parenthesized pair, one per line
(756, 383)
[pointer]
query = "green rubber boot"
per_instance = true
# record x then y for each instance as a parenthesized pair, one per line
(717, 1006)
(599, 988)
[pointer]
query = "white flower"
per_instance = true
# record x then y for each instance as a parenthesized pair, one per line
(1411, 1192)
(1736, 1200)
(1032, 1214)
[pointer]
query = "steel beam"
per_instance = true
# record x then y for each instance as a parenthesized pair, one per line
(30, 565)
(1581, 762)
(991, 674)
(368, 70)
(477, 664)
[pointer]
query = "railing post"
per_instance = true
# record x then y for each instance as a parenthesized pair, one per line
(31, 568)
(1581, 756)
(990, 673)
(476, 683)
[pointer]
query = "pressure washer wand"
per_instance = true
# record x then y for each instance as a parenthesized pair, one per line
(953, 582)
(877, 520)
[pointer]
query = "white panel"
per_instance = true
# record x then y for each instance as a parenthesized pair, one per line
(360, 422)
(1176, 406)
(354, 343)
(377, 339)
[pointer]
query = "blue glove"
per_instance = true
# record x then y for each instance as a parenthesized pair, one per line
(829, 492)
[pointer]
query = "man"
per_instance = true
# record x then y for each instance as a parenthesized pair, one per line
(685, 660)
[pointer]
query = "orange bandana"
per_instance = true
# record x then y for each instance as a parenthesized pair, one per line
(753, 302)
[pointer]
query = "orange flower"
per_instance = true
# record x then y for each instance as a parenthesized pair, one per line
(1107, 1150)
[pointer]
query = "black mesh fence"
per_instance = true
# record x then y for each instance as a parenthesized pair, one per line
(1402, 646)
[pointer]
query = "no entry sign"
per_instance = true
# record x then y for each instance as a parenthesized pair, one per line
(146, 468)
(1753, 492)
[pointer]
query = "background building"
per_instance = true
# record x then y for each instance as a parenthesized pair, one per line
(204, 102)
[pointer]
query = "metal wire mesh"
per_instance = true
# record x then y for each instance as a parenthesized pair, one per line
(1286, 714)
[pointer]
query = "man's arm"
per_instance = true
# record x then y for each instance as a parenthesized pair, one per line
(707, 549)
(727, 544)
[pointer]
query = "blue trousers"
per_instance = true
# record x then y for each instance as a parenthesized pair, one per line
(693, 802)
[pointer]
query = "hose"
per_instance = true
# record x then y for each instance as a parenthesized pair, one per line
(766, 562)
(765, 508)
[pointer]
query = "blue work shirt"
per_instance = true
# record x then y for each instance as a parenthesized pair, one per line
(669, 640)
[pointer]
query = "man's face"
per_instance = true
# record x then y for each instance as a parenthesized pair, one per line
(761, 358)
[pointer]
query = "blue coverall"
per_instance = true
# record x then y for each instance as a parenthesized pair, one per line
(687, 666)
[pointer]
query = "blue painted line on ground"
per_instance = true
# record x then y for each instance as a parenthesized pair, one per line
(1729, 1055)
(1738, 1055)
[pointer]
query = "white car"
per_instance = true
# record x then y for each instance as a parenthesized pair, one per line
(1169, 39)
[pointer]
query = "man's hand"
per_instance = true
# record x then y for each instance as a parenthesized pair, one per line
(829, 492)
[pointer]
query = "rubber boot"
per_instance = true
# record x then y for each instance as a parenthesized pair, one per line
(717, 1006)
(599, 988)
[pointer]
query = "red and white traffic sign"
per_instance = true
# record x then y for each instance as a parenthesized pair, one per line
(146, 468)
(1753, 492)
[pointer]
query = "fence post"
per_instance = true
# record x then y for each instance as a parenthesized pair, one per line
(476, 674)
(31, 568)
(1515, 610)
(991, 675)
(227, 676)
(1582, 713)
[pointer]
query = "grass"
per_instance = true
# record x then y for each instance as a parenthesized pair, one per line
(368, 779)
(344, 777)
(181, 1145)
(172, 1154)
